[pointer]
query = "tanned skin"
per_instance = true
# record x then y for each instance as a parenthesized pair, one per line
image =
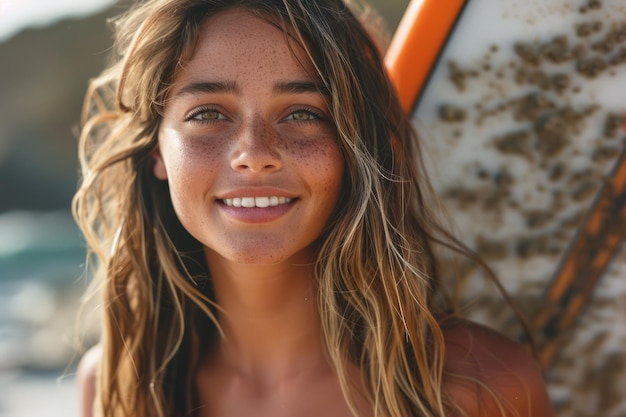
(272, 362)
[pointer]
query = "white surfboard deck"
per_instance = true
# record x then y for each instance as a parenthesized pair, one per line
(519, 156)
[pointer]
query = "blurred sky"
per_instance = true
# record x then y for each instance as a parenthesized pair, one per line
(16, 15)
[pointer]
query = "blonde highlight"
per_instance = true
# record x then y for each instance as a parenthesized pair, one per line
(376, 275)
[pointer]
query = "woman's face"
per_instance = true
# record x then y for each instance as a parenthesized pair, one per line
(247, 145)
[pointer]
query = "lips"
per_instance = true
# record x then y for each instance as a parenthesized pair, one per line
(260, 202)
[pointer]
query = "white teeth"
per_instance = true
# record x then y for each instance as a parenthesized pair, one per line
(261, 202)
(247, 202)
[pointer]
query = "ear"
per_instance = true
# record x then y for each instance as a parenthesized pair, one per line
(159, 170)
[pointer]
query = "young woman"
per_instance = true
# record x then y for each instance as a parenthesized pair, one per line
(263, 230)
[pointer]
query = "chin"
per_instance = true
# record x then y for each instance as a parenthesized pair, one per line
(262, 256)
(257, 259)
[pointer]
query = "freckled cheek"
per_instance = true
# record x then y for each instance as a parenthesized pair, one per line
(192, 155)
(321, 160)
(307, 147)
(193, 166)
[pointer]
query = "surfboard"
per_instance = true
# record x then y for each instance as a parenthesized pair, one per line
(521, 106)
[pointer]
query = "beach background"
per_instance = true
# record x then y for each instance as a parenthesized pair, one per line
(48, 51)
(508, 203)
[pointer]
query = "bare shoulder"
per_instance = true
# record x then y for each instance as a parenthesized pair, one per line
(488, 374)
(86, 376)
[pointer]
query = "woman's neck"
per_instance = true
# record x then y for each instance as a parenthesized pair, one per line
(269, 318)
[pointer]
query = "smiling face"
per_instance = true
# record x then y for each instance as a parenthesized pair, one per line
(247, 145)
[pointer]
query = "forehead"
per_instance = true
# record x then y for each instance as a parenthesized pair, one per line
(238, 43)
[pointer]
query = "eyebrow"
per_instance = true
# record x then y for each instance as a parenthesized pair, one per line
(208, 87)
(299, 87)
(282, 87)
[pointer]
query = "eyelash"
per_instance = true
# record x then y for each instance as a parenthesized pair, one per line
(192, 116)
(317, 116)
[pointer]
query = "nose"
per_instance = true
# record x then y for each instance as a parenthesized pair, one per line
(255, 148)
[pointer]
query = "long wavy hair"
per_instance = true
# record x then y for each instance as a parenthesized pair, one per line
(376, 272)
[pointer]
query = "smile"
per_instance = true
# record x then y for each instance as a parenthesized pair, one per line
(261, 202)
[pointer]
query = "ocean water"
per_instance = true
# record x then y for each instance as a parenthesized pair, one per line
(41, 280)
